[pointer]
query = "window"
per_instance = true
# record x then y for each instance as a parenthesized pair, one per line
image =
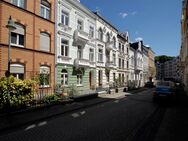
(18, 36)
(114, 42)
(19, 3)
(100, 55)
(114, 58)
(114, 77)
(127, 64)
(91, 31)
(64, 77)
(123, 63)
(80, 25)
(91, 55)
(44, 42)
(44, 76)
(45, 9)
(123, 48)
(107, 76)
(17, 70)
(64, 47)
(79, 77)
(100, 34)
(119, 47)
(119, 62)
(107, 37)
(65, 18)
(79, 53)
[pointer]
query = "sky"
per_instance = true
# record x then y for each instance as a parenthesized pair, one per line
(156, 22)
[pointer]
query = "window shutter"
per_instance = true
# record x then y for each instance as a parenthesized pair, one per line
(19, 29)
(16, 68)
(45, 42)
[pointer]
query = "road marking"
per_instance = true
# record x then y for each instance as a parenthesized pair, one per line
(30, 127)
(75, 115)
(116, 101)
(83, 112)
(42, 123)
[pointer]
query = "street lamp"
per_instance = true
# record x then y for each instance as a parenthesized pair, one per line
(11, 26)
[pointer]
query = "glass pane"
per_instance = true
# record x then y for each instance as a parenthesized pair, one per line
(63, 19)
(14, 2)
(22, 3)
(47, 14)
(62, 50)
(42, 11)
(21, 40)
(13, 38)
(67, 21)
(66, 50)
(66, 79)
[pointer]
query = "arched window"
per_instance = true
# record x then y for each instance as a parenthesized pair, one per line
(64, 77)
(44, 76)
(108, 37)
(79, 77)
(100, 34)
(18, 36)
(17, 70)
(44, 41)
(45, 9)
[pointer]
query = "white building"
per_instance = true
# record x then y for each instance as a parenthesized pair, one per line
(145, 64)
(138, 63)
(106, 52)
(75, 54)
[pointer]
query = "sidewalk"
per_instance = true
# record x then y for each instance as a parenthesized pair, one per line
(16, 120)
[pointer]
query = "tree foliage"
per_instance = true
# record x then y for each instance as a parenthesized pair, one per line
(163, 58)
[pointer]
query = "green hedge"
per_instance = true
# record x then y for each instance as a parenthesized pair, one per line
(15, 92)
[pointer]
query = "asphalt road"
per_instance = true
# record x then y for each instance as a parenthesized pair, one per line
(132, 118)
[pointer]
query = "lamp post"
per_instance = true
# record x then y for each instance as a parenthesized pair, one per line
(11, 26)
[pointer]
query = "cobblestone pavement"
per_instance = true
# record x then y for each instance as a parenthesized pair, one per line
(129, 118)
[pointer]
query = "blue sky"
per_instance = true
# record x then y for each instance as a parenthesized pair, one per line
(157, 22)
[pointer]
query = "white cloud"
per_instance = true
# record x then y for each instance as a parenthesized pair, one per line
(139, 39)
(147, 45)
(133, 13)
(123, 15)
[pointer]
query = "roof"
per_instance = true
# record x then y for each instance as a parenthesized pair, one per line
(96, 13)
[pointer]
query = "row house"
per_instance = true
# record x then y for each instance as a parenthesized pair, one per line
(138, 63)
(75, 54)
(184, 45)
(106, 52)
(145, 64)
(32, 45)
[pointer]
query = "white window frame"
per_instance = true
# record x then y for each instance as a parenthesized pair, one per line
(100, 34)
(63, 78)
(17, 74)
(80, 26)
(45, 9)
(17, 40)
(91, 31)
(91, 55)
(66, 47)
(80, 52)
(65, 17)
(100, 55)
(48, 73)
(79, 78)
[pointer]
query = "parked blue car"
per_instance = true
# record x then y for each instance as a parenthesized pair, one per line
(164, 89)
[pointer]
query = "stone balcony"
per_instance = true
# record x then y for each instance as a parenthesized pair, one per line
(110, 65)
(80, 37)
(109, 46)
(81, 63)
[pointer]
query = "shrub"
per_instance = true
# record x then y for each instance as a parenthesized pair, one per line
(53, 98)
(15, 92)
